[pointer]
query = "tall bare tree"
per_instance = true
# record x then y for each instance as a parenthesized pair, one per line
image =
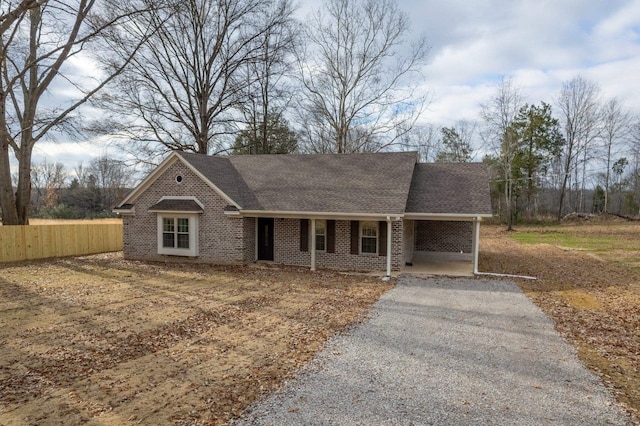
(634, 139)
(186, 86)
(48, 179)
(578, 104)
(268, 90)
(358, 77)
(10, 12)
(35, 48)
(616, 126)
(499, 113)
(424, 140)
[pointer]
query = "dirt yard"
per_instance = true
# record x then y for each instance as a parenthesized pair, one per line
(102, 340)
(106, 341)
(589, 283)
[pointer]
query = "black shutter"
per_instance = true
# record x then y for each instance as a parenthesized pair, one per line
(382, 238)
(355, 237)
(331, 236)
(304, 234)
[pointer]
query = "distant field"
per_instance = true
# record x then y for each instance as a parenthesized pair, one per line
(71, 221)
(617, 242)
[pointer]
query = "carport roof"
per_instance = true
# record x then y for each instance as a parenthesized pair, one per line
(450, 188)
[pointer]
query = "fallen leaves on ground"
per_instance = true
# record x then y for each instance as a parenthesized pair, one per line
(99, 338)
(593, 298)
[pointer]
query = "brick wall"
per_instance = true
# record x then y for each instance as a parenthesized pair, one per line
(444, 236)
(232, 240)
(221, 237)
(249, 231)
(287, 249)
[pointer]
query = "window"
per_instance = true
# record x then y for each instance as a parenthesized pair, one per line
(177, 234)
(321, 235)
(369, 237)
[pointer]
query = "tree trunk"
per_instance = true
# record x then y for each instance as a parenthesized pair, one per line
(7, 196)
(23, 191)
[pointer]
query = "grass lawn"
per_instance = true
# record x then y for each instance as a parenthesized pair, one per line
(588, 283)
(102, 340)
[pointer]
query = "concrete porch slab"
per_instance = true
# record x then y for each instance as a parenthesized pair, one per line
(451, 264)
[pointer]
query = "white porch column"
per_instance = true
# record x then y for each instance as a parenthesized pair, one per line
(389, 241)
(313, 244)
(476, 243)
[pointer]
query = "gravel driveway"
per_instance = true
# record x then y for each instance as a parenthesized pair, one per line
(445, 351)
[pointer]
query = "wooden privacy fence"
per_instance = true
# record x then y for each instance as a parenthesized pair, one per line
(43, 241)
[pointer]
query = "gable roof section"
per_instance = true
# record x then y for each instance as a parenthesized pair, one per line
(176, 205)
(220, 172)
(337, 183)
(450, 189)
(171, 159)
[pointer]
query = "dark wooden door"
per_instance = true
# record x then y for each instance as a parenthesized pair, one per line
(265, 238)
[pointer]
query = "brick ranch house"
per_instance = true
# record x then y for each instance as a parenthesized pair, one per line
(363, 212)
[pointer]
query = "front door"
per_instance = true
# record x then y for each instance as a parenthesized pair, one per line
(265, 238)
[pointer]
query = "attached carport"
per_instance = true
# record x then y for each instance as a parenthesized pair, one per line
(441, 245)
(442, 221)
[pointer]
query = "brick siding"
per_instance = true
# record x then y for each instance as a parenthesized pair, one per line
(287, 249)
(227, 239)
(444, 236)
(221, 237)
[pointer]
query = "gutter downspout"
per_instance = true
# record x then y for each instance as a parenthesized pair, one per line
(313, 244)
(389, 240)
(476, 243)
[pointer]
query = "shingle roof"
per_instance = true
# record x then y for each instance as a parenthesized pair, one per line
(219, 171)
(450, 188)
(382, 183)
(172, 205)
(348, 183)
(344, 183)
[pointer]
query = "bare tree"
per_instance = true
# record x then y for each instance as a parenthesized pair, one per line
(424, 140)
(634, 140)
(113, 177)
(499, 114)
(47, 179)
(358, 85)
(616, 126)
(578, 105)
(11, 12)
(268, 90)
(34, 52)
(185, 87)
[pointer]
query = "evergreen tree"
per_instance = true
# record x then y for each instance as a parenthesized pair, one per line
(279, 138)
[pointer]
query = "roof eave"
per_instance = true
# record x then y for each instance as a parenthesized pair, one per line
(446, 216)
(321, 215)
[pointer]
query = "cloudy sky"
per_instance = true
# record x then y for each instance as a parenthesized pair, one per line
(537, 43)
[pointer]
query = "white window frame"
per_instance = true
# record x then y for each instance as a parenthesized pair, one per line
(193, 235)
(323, 235)
(377, 237)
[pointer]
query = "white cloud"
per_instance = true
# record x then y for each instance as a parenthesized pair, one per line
(538, 43)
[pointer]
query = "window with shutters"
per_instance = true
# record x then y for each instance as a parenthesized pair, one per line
(321, 235)
(369, 237)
